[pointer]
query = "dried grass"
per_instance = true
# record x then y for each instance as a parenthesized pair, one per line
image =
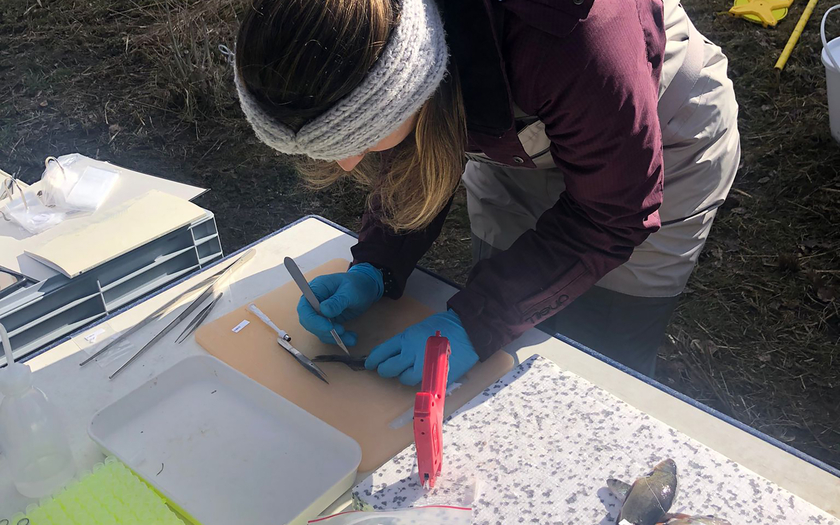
(184, 40)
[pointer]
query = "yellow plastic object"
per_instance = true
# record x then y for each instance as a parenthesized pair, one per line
(764, 12)
(111, 495)
(794, 36)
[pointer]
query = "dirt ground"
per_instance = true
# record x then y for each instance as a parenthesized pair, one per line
(143, 84)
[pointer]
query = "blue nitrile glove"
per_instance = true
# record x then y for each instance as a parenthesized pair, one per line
(403, 354)
(343, 296)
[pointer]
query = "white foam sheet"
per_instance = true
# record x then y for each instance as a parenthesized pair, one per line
(541, 442)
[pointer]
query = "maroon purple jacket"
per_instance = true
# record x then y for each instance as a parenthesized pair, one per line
(589, 69)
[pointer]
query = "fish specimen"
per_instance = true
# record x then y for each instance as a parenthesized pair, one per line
(648, 500)
(354, 362)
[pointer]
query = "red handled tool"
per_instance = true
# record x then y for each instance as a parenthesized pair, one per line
(428, 409)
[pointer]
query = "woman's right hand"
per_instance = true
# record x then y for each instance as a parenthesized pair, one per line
(343, 296)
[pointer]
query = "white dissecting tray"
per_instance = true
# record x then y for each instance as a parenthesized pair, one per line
(224, 449)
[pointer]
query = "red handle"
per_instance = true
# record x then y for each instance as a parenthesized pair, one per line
(428, 409)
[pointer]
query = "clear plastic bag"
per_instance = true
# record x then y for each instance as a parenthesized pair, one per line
(434, 515)
(20, 205)
(117, 353)
(32, 215)
(69, 186)
(449, 503)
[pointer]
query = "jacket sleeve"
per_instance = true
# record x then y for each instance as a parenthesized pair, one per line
(380, 246)
(596, 92)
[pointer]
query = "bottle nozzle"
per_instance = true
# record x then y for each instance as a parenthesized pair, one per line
(16, 376)
(7, 346)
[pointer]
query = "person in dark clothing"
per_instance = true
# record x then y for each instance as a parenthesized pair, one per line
(596, 140)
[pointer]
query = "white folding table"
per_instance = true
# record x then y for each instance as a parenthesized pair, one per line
(81, 391)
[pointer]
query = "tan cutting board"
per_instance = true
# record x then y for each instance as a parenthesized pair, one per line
(360, 404)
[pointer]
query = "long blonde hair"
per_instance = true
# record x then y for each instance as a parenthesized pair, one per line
(335, 43)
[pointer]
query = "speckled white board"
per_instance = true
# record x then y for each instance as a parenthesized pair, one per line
(537, 447)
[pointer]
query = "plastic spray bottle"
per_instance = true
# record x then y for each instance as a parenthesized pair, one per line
(31, 435)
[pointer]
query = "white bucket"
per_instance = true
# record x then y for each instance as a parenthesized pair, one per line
(831, 61)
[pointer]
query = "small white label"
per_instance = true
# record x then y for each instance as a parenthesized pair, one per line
(238, 328)
(91, 337)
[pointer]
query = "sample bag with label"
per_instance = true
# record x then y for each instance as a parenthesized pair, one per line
(69, 186)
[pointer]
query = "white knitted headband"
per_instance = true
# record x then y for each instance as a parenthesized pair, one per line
(405, 75)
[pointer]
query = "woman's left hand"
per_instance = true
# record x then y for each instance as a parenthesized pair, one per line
(402, 355)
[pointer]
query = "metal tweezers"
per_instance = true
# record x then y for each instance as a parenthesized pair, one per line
(159, 313)
(245, 257)
(213, 281)
(197, 320)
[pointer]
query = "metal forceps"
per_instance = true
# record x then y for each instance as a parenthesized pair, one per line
(283, 339)
(8, 184)
(197, 320)
(247, 256)
(157, 314)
